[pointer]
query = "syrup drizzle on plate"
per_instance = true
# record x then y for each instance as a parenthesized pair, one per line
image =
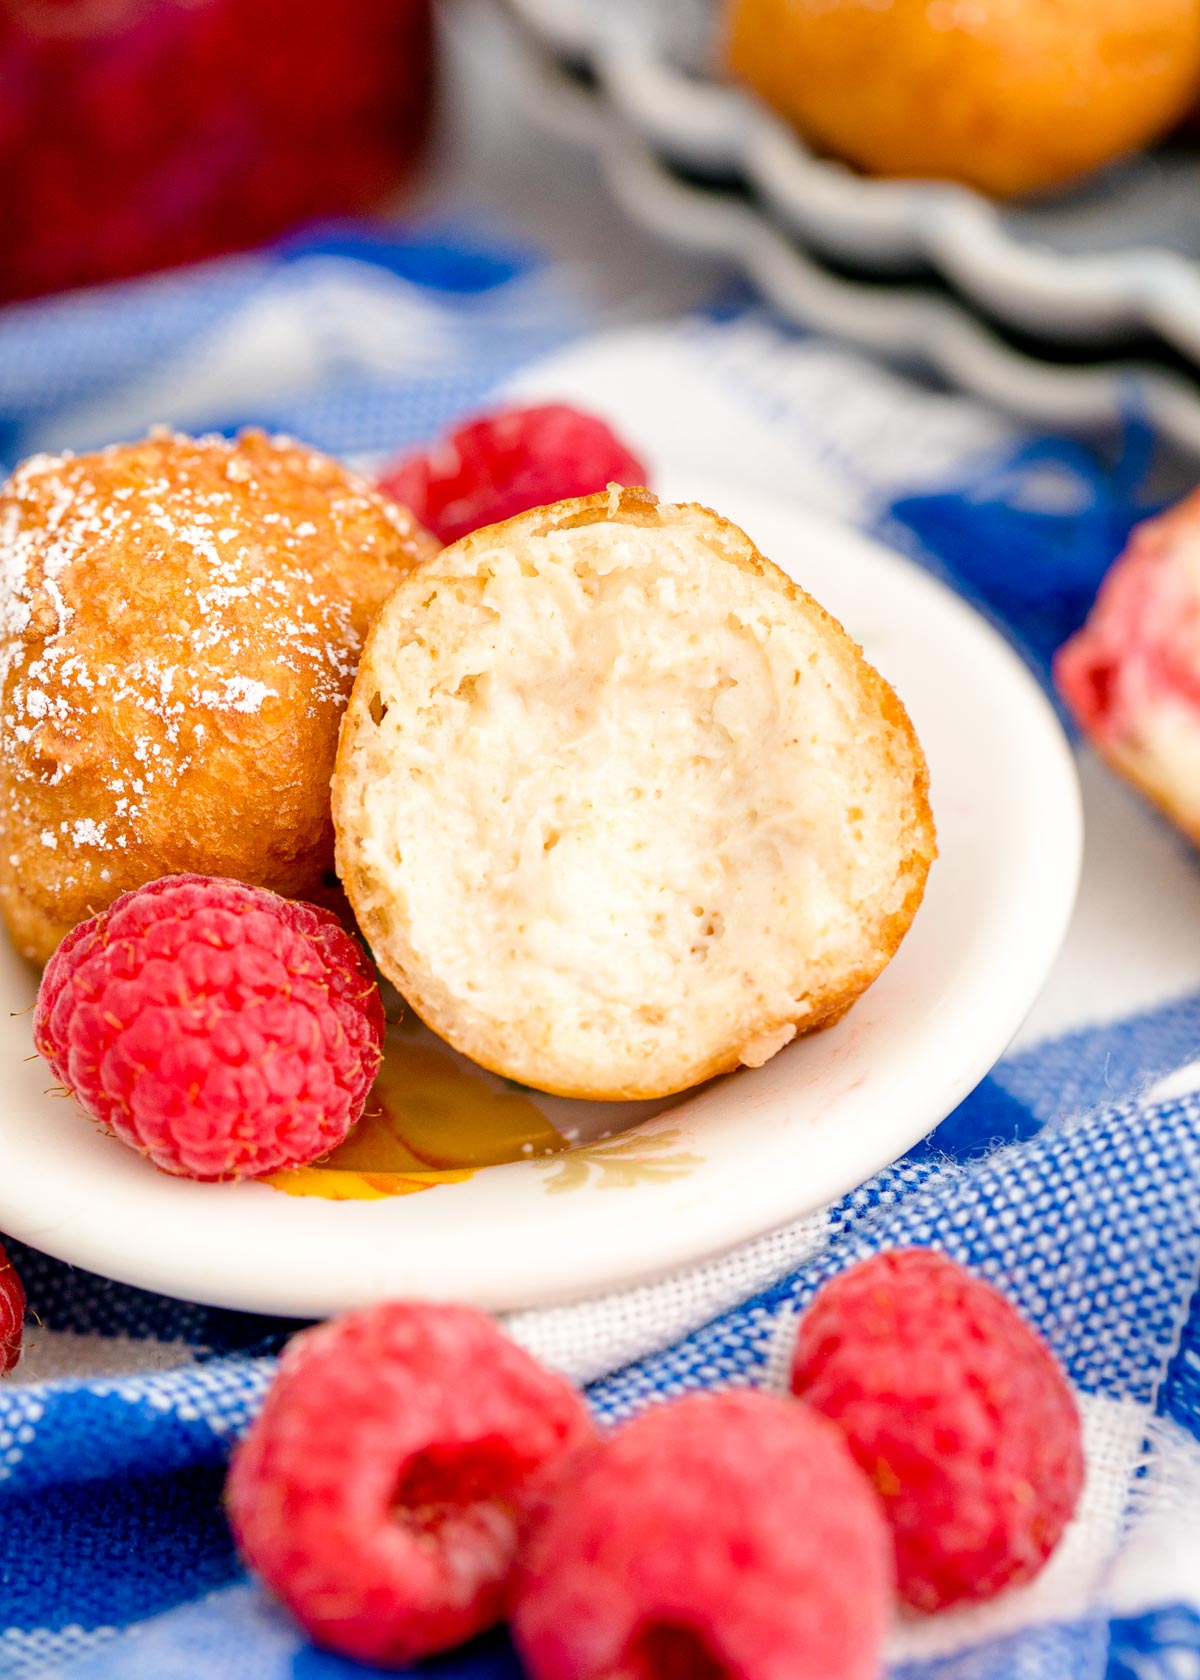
(432, 1118)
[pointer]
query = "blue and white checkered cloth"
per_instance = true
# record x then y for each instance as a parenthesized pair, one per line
(1071, 1177)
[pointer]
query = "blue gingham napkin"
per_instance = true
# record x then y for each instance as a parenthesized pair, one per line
(1071, 1177)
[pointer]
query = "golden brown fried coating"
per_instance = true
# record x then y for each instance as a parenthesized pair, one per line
(180, 622)
(1011, 96)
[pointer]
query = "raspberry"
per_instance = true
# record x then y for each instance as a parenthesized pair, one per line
(957, 1411)
(503, 464)
(720, 1536)
(379, 1493)
(215, 1027)
(12, 1313)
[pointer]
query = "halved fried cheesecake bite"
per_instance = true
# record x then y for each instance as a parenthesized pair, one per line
(618, 806)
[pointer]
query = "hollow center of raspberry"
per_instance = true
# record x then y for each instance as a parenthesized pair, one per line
(446, 1481)
(667, 1651)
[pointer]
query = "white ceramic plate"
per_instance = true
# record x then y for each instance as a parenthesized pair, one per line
(743, 1155)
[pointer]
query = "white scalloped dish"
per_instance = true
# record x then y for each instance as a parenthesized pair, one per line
(924, 326)
(1111, 259)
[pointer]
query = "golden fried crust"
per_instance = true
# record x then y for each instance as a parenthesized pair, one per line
(537, 1061)
(180, 621)
(1011, 96)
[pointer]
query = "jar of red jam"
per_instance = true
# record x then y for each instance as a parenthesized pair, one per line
(137, 134)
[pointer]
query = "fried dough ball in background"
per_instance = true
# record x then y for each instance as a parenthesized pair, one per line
(180, 622)
(1010, 96)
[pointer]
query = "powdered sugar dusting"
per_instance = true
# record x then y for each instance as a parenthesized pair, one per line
(162, 599)
(238, 694)
(87, 832)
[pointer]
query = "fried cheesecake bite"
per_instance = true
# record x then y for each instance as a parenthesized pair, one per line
(618, 806)
(1010, 96)
(180, 622)
(1131, 675)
